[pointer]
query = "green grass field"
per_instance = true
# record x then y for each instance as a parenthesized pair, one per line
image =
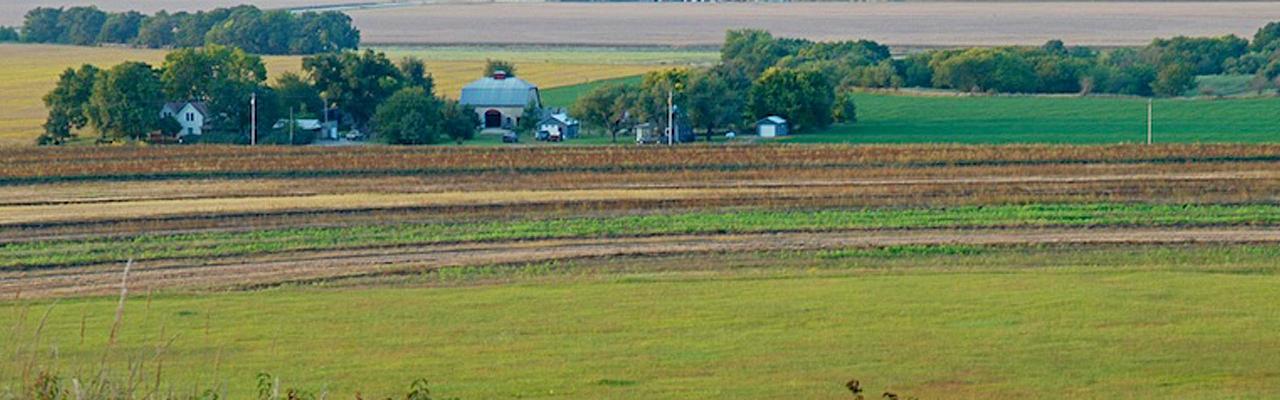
(1129, 322)
(886, 118)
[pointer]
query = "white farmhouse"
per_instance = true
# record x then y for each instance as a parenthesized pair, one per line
(500, 100)
(189, 114)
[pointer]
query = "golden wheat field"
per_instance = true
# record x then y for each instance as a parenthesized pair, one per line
(27, 72)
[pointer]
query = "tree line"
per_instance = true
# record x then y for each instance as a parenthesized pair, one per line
(374, 94)
(247, 27)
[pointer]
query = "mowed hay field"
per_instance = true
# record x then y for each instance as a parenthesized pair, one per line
(27, 72)
(743, 271)
(894, 23)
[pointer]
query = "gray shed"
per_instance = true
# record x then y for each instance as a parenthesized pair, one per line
(772, 126)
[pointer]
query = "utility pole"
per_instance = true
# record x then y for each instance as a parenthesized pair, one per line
(253, 119)
(292, 123)
(671, 116)
(1149, 110)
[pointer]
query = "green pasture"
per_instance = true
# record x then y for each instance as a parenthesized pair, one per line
(1045, 323)
(887, 118)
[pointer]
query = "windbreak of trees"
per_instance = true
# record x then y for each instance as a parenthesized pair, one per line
(394, 100)
(1165, 67)
(247, 27)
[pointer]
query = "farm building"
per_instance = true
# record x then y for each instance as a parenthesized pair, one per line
(772, 126)
(190, 115)
(559, 125)
(500, 100)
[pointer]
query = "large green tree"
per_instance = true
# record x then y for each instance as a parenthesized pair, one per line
(607, 106)
(126, 101)
(804, 98)
(1174, 80)
(458, 121)
(712, 102)
(68, 104)
(41, 25)
(121, 27)
(81, 25)
(355, 82)
(298, 95)
(224, 78)
(410, 116)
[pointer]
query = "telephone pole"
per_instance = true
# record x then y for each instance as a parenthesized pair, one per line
(1149, 110)
(671, 116)
(292, 123)
(253, 119)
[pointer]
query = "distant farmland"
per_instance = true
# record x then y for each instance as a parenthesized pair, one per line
(11, 11)
(704, 24)
(27, 72)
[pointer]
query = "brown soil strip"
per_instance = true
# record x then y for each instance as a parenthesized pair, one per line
(275, 269)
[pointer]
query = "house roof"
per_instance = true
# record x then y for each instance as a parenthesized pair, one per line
(559, 118)
(175, 107)
(772, 119)
(303, 124)
(505, 92)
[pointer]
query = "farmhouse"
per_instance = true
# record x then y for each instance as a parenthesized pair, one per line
(500, 100)
(191, 115)
(558, 125)
(772, 126)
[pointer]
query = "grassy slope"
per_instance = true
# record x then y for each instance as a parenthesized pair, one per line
(1121, 323)
(1024, 119)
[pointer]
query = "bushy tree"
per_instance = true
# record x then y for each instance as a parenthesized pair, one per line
(126, 101)
(224, 78)
(81, 25)
(804, 98)
(410, 116)
(607, 106)
(355, 82)
(458, 121)
(40, 25)
(298, 95)
(1174, 80)
(1205, 56)
(9, 34)
(323, 32)
(981, 69)
(493, 66)
(157, 31)
(529, 118)
(121, 27)
(68, 104)
(712, 101)
(914, 70)
(846, 108)
(1267, 39)
(415, 74)
(882, 75)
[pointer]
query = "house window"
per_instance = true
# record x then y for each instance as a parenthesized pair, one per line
(191, 117)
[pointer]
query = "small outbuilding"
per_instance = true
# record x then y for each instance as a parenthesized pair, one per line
(772, 126)
(499, 100)
(558, 125)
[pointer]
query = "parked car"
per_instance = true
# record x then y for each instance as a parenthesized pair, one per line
(510, 137)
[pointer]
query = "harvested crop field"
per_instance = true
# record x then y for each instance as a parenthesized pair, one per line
(622, 272)
(186, 210)
(898, 23)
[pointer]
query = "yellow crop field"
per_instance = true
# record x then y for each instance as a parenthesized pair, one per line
(27, 72)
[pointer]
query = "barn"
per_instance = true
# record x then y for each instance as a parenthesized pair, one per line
(499, 100)
(772, 126)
